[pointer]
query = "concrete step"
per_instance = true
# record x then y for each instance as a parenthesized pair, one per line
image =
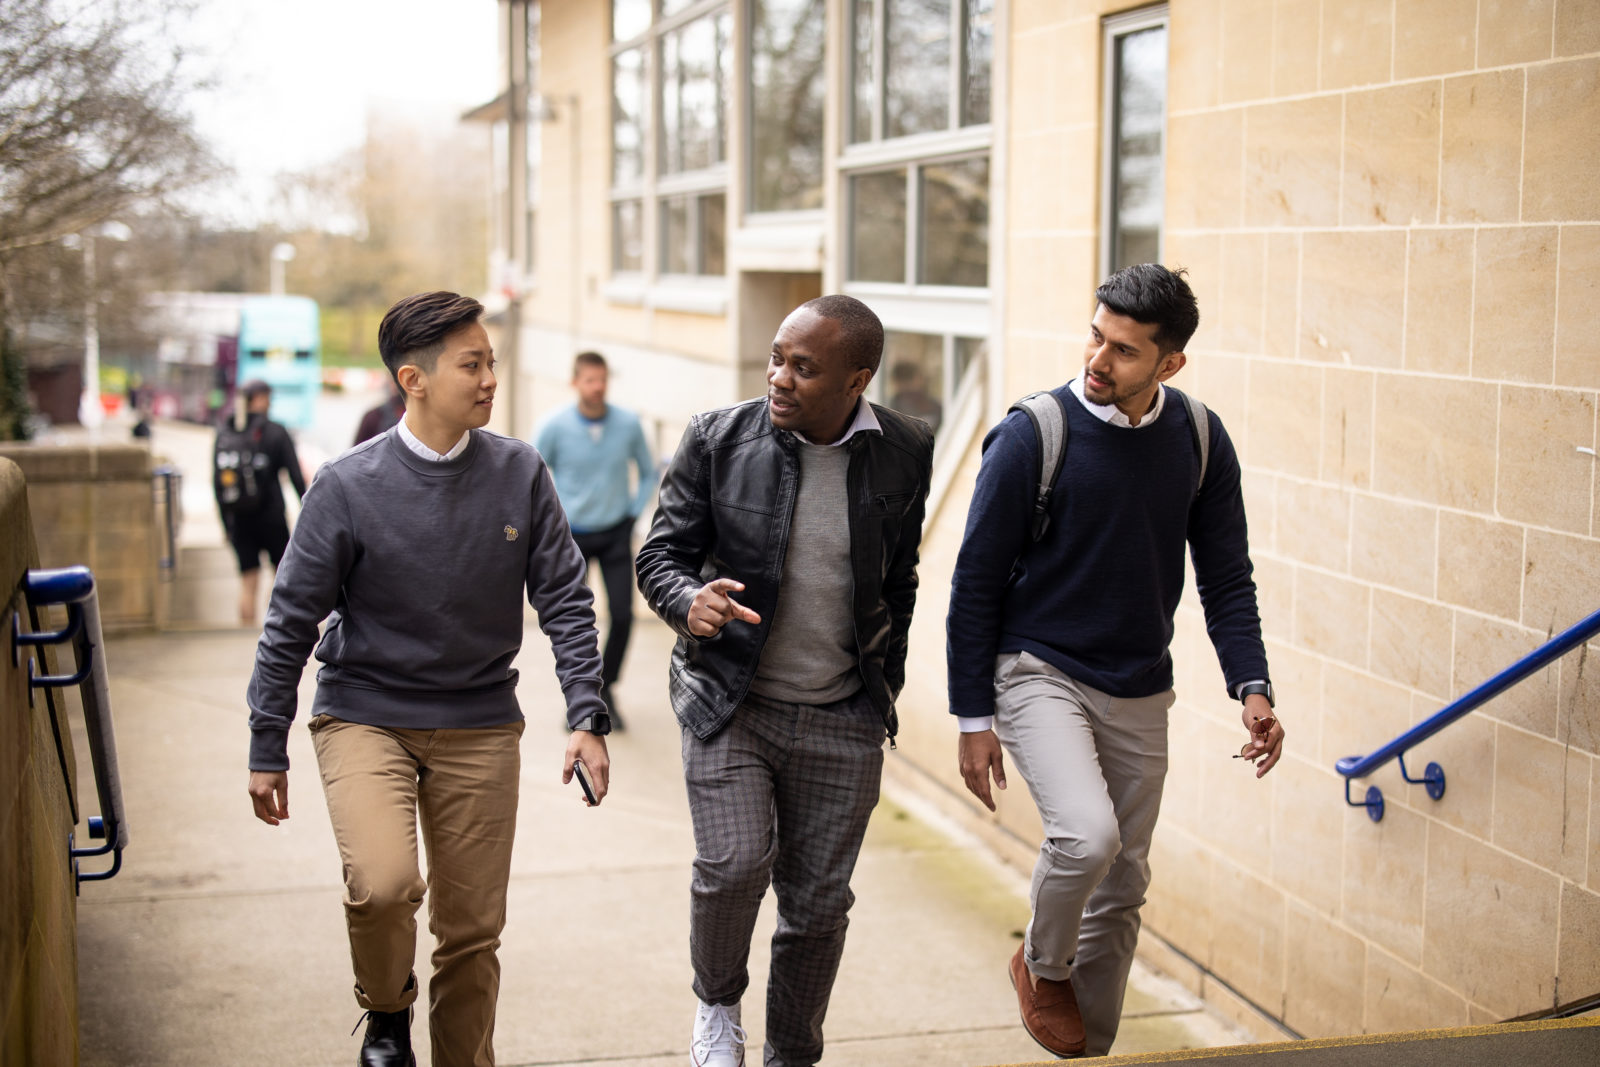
(1546, 1043)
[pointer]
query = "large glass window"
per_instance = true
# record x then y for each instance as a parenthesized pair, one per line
(978, 62)
(671, 74)
(878, 223)
(629, 18)
(1136, 101)
(629, 103)
(915, 367)
(627, 237)
(693, 234)
(696, 61)
(920, 79)
(955, 223)
(919, 66)
(943, 240)
(916, 50)
(787, 87)
(921, 372)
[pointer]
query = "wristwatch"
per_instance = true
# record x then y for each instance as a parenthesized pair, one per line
(598, 723)
(1252, 688)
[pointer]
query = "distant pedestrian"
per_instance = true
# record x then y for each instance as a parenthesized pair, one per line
(251, 450)
(417, 548)
(380, 417)
(1059, 626)
(784, 554)
(590, 447)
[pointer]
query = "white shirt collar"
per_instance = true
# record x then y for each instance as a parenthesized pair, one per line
(1110, 413)
(413, 442)
(865, 420)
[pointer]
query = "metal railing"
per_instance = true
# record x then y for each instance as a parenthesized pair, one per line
(168, 489)
(1433, 775)
(73, 587)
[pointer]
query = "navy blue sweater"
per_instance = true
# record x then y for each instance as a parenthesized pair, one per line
(1095, 596)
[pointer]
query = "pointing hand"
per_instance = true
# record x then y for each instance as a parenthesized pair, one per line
(713, 608)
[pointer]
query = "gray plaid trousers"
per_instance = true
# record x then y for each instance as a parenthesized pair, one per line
(781, 795)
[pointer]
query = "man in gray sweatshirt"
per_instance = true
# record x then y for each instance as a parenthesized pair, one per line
(416, 546)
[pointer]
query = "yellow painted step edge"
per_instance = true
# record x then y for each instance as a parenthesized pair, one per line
(1180, 1055)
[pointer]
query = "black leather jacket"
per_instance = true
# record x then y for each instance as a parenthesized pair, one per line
(725, 508)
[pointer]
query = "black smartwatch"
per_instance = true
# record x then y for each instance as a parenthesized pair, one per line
(1263, 688)
(598, 723)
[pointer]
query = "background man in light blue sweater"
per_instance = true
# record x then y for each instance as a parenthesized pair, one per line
(416, 547)
(589, 447)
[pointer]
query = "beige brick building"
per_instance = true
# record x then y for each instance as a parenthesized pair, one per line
(1389, 211)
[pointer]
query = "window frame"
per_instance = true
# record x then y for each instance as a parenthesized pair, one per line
(695, 222)
(913, 285)
(1112, 28)
(745, 67)
(955, 86)
(655, 185)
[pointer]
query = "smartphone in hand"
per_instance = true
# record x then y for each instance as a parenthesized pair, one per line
(580, 774)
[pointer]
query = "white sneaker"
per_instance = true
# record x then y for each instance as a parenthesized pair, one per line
(718, 1038)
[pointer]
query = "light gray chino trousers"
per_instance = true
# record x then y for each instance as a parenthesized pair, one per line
(1095, 765)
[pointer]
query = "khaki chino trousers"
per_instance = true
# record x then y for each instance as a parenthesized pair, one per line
(1095, 765)
(461, 787)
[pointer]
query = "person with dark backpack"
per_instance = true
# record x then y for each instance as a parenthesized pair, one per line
(250, 453)
(1061, 617)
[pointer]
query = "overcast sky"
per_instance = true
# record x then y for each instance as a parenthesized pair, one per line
(295, 77)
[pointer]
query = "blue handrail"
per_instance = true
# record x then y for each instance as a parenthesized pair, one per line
(1433, 777)
(74, 588)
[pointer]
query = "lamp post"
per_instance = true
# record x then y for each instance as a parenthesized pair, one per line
(282, 253)
(90, 414)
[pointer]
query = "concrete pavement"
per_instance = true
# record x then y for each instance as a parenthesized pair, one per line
(222, 941)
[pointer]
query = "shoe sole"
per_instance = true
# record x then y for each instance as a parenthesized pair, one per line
(1023, 1019)
(698, 1063)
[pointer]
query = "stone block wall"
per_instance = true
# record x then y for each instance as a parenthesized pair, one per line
(1389, 214)
(94, 505)
(38, 908)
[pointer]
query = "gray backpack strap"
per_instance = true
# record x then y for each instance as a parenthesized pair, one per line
(1200, 428)
(1050, 427)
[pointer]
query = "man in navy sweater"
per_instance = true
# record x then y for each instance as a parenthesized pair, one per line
(1058, 647)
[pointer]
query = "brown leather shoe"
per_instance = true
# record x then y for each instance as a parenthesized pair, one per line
(1049, 1012)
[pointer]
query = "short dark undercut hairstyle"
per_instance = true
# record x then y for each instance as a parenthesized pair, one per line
(588, 359)
(1151, 294)
(860, 332)
(414, 330)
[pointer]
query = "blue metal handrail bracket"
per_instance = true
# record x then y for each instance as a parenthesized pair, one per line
(73, 587)
(1433, 775)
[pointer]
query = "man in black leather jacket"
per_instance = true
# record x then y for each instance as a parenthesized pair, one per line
(784, 553)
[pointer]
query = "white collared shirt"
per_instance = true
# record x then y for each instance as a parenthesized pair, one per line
(413, 442)
(1110, 413)
(865, 420)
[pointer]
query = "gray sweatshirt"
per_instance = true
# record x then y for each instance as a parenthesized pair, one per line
(419, 568)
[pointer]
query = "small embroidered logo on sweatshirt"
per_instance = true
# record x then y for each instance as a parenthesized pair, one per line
(511, 533)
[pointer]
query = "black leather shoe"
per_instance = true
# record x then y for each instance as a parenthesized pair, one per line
(388, 1040)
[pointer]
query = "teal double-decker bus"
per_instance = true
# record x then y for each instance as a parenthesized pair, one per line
(280, 342)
